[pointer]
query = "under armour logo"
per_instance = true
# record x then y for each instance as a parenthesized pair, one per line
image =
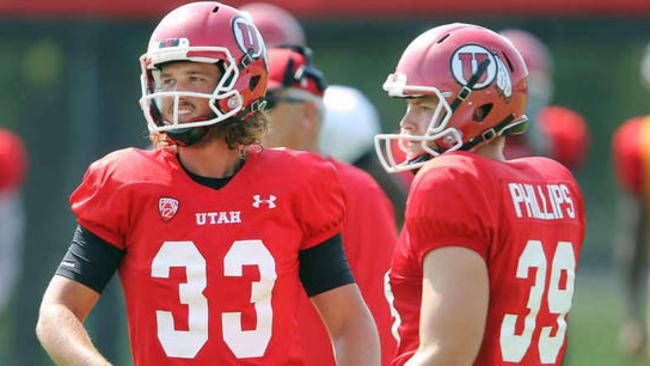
(259, 200)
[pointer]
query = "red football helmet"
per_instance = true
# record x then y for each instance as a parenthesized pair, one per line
(208, 32)
(13, 161)
(278, 26)
(540, 68)
(480, 80)
(629, 155)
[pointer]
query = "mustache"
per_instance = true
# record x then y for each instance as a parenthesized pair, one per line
(181, 104)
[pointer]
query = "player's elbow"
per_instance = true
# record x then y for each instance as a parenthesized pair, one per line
(44, 325)
(357, 342)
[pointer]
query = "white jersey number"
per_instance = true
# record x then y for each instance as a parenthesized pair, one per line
(243, 343)
(397, 322)
(515, 346)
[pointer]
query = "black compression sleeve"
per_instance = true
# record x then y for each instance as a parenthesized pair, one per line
(324, 267)
(90, 260)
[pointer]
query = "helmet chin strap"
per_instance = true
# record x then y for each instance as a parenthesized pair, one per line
(419, 159)
(189, 135)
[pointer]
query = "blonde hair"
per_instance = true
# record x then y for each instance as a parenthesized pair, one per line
(234, 131)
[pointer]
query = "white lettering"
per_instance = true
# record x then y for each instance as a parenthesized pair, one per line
(544, 214)
(544, 202)
(218, 218)
(223, 218)
(517, 197)
(531, 202)
(567, 198)
(556, 198)
(235, 217)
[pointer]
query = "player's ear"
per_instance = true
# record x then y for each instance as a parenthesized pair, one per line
(310, 116)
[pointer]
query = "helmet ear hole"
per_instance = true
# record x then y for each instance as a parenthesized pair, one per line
(252, 83)
(482, 112)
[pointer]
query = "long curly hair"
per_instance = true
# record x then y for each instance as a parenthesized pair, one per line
(235, 132)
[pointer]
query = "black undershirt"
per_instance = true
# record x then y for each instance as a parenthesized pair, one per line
(92, 261)
(214, 183)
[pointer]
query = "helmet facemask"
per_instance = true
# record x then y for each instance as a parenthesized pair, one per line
(225, 101)
(437, 139)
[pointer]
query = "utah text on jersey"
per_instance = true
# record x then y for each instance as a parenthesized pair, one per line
(218, 217)
(545, 202)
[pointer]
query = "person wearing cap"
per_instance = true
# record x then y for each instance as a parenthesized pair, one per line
(13, 168)
(554, 131)
(350, 120)
(295, 105)
(630, 166)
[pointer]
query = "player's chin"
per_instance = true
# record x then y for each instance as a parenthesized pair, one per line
(414, 150)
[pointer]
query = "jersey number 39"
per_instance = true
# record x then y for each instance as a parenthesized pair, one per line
(515, 346)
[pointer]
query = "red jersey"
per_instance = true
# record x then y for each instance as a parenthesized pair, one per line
(369, 237)
(525, 217)
(210, 276)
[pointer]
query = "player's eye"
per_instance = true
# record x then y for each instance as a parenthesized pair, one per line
(197, 79)
(168, 83)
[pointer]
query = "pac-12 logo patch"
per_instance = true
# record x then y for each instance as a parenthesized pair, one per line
(248, 37)
(167, 208)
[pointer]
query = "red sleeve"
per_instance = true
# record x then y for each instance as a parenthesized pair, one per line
(627, 154)
(321, 204)
(449, 206)
(99, 205)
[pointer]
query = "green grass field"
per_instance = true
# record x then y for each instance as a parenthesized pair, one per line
(594, 322)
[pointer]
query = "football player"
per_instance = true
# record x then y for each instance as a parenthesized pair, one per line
(631, 161)
(278, 26)
(13, 168)
(554, 131)
(295, 94)
(213, 236)
(484, 270)
(350, 120)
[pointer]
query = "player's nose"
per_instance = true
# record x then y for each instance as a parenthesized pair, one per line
(407, 123)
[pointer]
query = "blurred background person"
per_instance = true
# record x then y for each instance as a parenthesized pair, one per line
(347, 134)
(296, 108)
(13, 168)
(631, 164)
(350, 120)
(554, 131)
(631, 159)
(278, 26)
